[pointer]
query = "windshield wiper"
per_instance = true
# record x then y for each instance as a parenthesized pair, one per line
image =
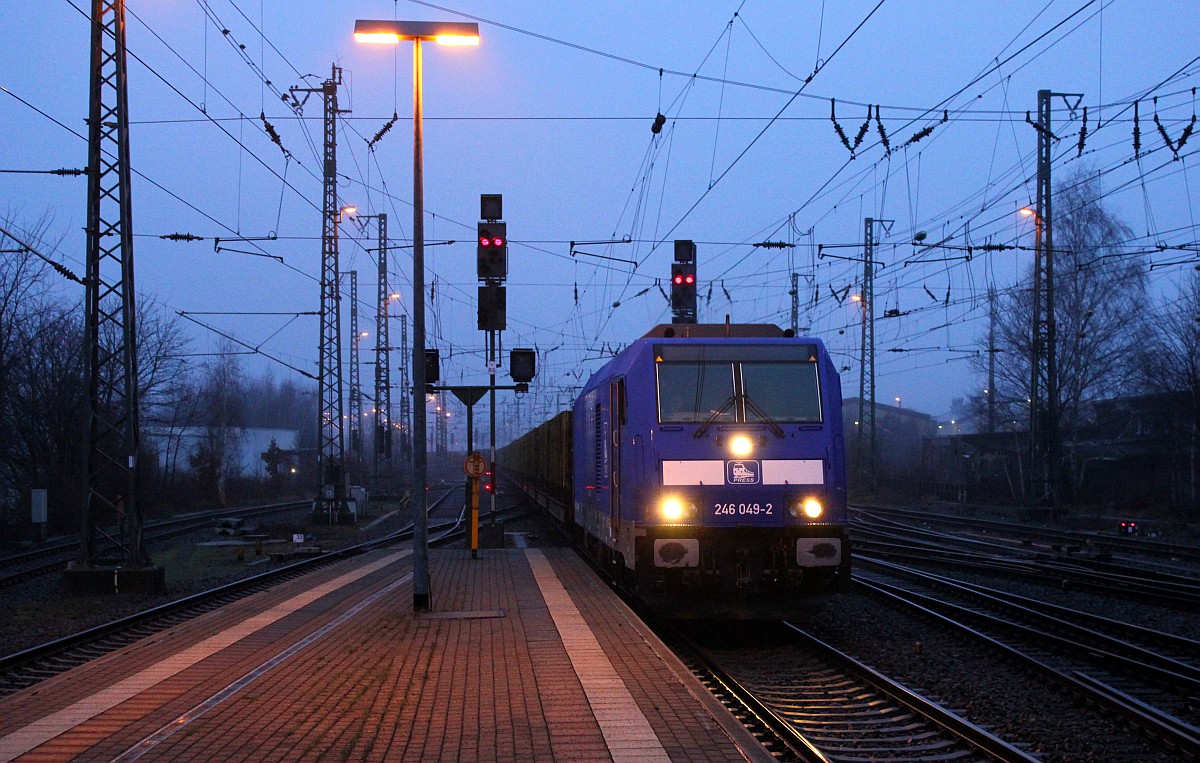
(753, 406)
(766, 419)
(703, 428)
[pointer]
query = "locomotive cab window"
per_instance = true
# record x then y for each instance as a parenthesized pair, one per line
(781, 392)
(720, 384)
(694, 392)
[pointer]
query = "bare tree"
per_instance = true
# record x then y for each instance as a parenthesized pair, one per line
(39, 351)
(220, 415)
(1170, 366)
(43, 398)
(1097, 289)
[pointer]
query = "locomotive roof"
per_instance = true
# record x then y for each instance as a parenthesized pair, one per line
(714, 330)
(621, 363)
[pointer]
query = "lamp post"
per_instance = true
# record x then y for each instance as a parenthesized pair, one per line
(444, 33)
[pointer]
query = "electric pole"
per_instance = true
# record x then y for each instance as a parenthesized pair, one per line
(405, 418)
(110, 328)
(330, 505)
(1045, 439)
(991, 389)
(866, 364)
(383, 379)
(355, 420)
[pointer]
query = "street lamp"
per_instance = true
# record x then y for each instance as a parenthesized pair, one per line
(444, 33)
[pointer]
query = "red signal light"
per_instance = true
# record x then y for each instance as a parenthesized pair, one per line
(690, 279)
(678, 279)
(497, 241)
(485, 241)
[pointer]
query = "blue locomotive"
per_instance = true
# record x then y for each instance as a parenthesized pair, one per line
(706, 465)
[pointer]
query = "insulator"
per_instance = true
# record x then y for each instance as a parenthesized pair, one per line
(919, 135)
(1166, 138)
(1082, 133)
(836, 126)
(383, 130)
(1137, 130)
(862, 131)
(883, 138)
(1187, 133)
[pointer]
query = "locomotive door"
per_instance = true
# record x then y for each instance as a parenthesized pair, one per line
(616, 419)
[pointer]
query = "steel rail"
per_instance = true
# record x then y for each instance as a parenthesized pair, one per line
(1174, 590)
(1108, 542)
(67, 550)
(975, 736)
(1169, 729)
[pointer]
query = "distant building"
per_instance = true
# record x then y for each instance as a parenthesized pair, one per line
(899, 441)
(175, 447)
(1132, 451)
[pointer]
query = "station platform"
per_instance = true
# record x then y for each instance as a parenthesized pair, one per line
(525, 656)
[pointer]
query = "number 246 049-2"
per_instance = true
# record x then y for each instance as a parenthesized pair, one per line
(743, 509)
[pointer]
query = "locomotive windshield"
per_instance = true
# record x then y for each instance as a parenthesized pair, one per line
(694, 392)
(719, 384)
(781, 391)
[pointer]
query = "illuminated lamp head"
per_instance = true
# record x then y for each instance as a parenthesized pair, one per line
(741, 446)
(812, 508)
(671, 509)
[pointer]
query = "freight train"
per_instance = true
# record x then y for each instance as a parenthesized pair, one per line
(705, 465)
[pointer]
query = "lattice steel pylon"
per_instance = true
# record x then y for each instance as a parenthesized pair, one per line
(866, 373)
(110, 316)
(1045, 438)
(355, 416)
(330, 504)
(406, 419)
(383, 378)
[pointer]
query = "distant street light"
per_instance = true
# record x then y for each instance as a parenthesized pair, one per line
(444, 33)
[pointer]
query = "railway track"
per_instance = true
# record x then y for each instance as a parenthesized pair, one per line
(1150, 679)
(1132, 548)
(1065, 569)
(18, 568)
(31, 666)
(808, 701)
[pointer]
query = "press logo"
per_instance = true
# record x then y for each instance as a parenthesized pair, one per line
(742, 472)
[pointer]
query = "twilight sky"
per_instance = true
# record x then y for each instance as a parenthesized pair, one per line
(554, 111)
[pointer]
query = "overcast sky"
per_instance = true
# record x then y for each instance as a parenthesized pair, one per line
(554, 110)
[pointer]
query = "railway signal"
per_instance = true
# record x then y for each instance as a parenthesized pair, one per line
(491, 253)
(493, 307)
(683, 292)
(522, 366)
(432, 366)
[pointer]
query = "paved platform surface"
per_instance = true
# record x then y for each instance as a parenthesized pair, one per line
(525, 656)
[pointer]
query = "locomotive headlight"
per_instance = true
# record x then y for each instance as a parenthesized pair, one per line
(807, 507)
(741, 446)
(671, 509)
(812, 508)
(676, 508)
